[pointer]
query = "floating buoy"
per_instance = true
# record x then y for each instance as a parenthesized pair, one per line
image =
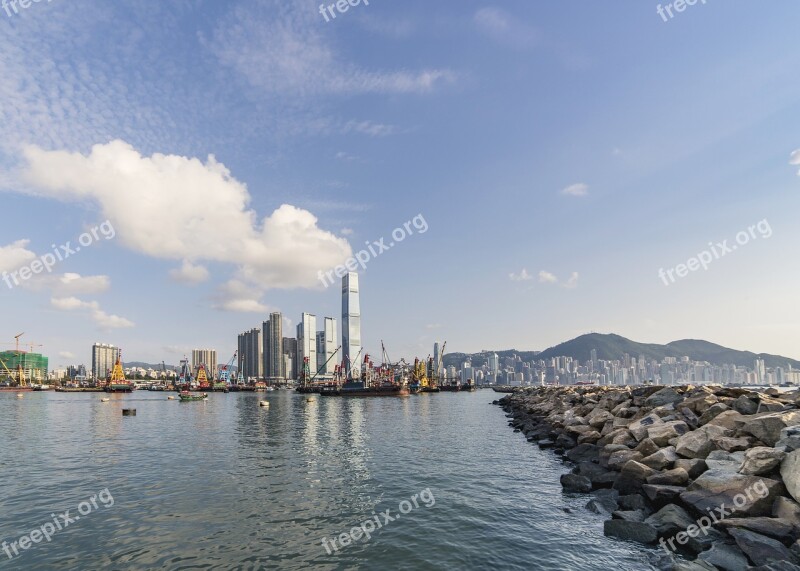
(310, 399)
(104, 400)
(128, 412)
(20, 395)
(170, 398)
(264, 403)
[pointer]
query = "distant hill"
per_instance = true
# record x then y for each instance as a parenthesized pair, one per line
(131, 364)
(612, 347)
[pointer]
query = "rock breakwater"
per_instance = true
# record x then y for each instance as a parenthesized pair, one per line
(709, 474)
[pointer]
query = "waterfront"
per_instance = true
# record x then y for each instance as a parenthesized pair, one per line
(226, 484)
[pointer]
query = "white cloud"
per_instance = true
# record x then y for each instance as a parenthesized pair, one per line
(346, 232)
(572, 282)
(579, 189)
(69, 284)
(342, 156)
(284, 250)
(505, 28)
(189, 273)
(66, 355)
(239, 297)
(433, 326)
(280, 48)
(15, 255)
(369, 128)
(523, 276)
(102, 319)
(795, 159)
(547, 278)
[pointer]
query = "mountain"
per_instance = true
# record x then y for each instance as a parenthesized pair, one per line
(612, 347)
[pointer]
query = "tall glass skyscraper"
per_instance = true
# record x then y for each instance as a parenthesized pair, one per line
(307, 343)
(351, 325)
(272, 337)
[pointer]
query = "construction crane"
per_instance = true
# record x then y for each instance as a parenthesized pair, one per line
(225, 373)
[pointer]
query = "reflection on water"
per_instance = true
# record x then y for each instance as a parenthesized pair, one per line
(227, 484)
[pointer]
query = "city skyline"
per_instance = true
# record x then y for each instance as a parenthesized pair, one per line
(178, 198)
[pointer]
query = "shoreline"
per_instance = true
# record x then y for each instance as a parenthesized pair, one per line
(708, 475)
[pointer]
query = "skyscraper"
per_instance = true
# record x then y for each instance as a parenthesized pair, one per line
(307, 343)
(103, 358)
(251, 360)
(207, 358)
(351, 325)
(326, 346)
(290, 357)
(272, 336)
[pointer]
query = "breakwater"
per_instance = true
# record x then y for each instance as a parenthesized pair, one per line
(708, 475)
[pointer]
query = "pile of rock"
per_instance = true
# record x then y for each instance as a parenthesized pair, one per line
(710, 473)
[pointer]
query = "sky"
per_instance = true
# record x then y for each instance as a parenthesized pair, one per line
(550, 168)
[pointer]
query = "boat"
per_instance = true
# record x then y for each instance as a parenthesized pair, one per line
(469, 386)
(202, 379)
(117, 383)
(186, 396)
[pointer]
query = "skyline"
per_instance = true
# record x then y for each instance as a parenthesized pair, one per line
(557, 171)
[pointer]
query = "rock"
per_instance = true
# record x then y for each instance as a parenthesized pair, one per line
(713, 412)
(629, 515)
(767, 428)
(589, 437)
(726, 461)
(566, 441)
(789, 440)
(690, 417)
(576, 483)
(761, 460)
(737, 494)
(662, 459)
(693, 466)
(784, 508)
(632, 502)
(790, 472)
(579, 429)
(639, 428)
(546, 443)
(669, 520)
(760, 549)
(725, 557)
(619, 459)
(632, 477)
(639, 532)
(662, 495)
(598, 417)
(730, 419)
(729, 444)
(676, 477)
(693, 566)
(706, 538)
(663, 397)
(745, 405)
(661, 434)
(647, 447)
(699, 443)
(583, 452)
(602, 506)
(779, 529)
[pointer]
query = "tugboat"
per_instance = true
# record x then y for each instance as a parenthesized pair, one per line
(118, 383)
(186, 396)
(469, 386)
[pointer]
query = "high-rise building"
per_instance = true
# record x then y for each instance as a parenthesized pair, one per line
(326, 347)
(307, 343)
(103, 358)
(761, 371)
(351, 325)
(207, 358)
(290, 357)
(272, 336)
(493, 363)
(251, 359)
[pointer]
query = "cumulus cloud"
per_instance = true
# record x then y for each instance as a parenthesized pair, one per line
(91, 308)
(572, 282)
(239, 297)
(189, 273)
(547, 278)
(523, 276)
(15, 255)
(505, 28)
(794, 159)
(579, 189)
(181, 208)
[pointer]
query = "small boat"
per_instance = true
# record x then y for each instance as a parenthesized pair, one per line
(20, 395)
(192, 397)
(170, 398)
(105, 400)
(264, 403)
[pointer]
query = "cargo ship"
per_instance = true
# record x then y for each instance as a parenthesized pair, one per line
(118, 383)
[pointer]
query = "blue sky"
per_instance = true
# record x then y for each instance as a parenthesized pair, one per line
(561, 153)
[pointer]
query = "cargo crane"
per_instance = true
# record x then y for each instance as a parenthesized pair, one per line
(225, 375)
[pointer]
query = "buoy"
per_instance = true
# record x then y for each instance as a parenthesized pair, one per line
(170, 398)
(104, 400)
(309, 399)
(264, 403)
(128, 412)
(20, 395)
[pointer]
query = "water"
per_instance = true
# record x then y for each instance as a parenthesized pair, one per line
(225, 484)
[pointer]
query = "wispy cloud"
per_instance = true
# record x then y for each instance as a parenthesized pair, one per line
(795, 159)
(189, 273)
(579, 189)
(505, 29)
(523, 276)
(369, 128)
(92, 308)
(547, 278)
